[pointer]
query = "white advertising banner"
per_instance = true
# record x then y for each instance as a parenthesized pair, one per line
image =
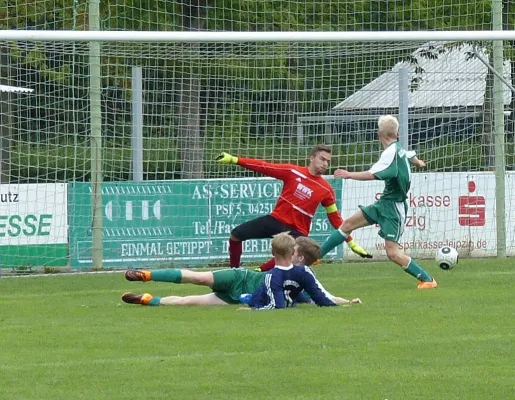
(455, 209)
(33, 214)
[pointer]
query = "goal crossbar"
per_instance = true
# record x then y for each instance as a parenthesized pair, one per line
(209, 36)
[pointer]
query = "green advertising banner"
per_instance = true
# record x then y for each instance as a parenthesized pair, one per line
(177, 222)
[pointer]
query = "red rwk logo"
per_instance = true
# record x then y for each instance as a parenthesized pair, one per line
(471, 208)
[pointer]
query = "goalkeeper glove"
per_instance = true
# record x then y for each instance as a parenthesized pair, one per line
(356, 248)
(226, 158)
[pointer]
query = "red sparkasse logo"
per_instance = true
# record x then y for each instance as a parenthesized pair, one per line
(471, 209)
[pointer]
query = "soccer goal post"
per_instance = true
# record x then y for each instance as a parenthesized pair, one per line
(111, 157)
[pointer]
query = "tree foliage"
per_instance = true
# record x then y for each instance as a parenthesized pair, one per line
(238, 91)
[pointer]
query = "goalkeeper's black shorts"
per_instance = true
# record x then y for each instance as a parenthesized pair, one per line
(263, 227)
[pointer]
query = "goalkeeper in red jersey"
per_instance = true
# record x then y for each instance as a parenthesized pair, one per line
(303, 190)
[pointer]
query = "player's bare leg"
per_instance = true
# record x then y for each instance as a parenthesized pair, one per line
(355, 221)
(209, 299)
(146, 299)
(409, 265)
(172, 275)
(197, 278)
(339, 236)
(395, 254)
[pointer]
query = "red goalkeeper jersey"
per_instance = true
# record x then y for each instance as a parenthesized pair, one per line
(300, 196)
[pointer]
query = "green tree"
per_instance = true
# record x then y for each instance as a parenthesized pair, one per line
(443, 15)
(199, 96)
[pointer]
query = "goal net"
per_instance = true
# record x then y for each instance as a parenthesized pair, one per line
(178, 104)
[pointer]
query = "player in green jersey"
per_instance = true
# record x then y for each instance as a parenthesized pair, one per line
(389, 212)
(228, 285)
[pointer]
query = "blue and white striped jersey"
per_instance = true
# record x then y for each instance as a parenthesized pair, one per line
(282, 285)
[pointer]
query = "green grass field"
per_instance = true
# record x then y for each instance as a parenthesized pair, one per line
(70, 337)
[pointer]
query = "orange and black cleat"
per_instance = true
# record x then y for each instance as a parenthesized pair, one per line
(427, 285)
(135, 298)
(142, 276)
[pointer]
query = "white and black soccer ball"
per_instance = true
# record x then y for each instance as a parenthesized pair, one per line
(447, 257)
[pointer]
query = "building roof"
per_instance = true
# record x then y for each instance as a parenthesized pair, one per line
(14, 89)
(454, 79)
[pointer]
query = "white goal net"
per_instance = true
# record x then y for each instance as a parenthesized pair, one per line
(169, 107)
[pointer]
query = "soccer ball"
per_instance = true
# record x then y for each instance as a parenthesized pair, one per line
(447, 257)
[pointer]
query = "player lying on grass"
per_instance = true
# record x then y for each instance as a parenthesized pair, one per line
(285, 282)
(390, 210)
(303, 190)
(229, 285)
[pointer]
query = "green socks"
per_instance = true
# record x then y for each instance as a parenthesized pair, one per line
(416, 271)
(164, 275)
(156, 300)
(167, 275)
(336, 238)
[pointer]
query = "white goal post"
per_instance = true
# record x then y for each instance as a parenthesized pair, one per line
(239, 37)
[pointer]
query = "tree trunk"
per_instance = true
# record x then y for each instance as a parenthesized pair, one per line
(487, 137)
(191, 143)
(191, 146)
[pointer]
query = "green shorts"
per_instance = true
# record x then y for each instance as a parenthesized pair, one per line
(229, 284)
(390, 215)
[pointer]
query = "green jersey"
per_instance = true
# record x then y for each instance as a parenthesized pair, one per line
(394, 169)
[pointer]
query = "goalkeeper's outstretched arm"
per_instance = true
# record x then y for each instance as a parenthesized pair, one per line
(226, 158)
(273, 170)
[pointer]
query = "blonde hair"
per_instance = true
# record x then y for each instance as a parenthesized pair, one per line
(308, 248)
(283, 245)
(388, 126)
